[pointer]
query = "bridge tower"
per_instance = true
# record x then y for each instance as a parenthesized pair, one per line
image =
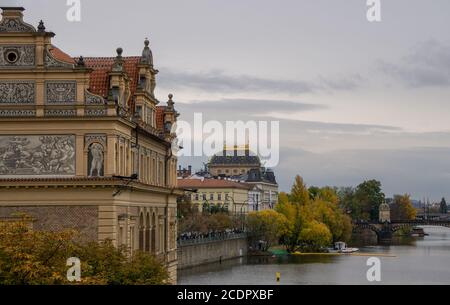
(385, 213)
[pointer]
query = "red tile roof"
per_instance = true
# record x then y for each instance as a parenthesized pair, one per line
(60, 55)
(210, 183)
(99, 81)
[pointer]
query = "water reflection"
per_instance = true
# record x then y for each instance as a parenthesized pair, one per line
(406, 261)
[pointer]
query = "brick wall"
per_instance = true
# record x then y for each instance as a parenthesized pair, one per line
(56, 218)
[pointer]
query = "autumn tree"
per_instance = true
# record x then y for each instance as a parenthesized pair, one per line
(299, 193)
(402, 208)
(267, 225)
(315, 218)
(314, 236)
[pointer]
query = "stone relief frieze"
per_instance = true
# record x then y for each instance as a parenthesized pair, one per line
(17, 56)
(32, 155)
(15, 25)
(17, 93)
(61, 92)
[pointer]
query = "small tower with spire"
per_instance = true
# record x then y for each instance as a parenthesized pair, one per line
(170, 116)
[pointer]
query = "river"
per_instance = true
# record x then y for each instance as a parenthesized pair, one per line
(412, 261)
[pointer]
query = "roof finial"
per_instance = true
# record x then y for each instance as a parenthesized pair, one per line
(41, 26)
(80, 62)
(118, 62)
(147, 56)
(170, 102)
(119, 52)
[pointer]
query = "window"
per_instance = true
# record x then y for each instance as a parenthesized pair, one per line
(132, 238)
(120, 241)
(211, 196)
(219, 196)
(196, 196)
(12, 56)
(204, 196)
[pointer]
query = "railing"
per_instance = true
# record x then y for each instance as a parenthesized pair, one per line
(212, 238)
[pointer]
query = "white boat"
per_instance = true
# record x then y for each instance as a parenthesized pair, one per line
(341, 247)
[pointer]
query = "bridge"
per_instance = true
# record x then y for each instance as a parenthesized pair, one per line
(385, 230)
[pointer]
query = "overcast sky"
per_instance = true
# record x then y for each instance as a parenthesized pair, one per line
(355, 100)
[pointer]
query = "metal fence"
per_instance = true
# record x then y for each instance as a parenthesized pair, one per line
(213, 238)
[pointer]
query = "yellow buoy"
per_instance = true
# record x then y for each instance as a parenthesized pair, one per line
(278, 276)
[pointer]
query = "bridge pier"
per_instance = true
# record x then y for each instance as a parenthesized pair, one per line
(385, 237)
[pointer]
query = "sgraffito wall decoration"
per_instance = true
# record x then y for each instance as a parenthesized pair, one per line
(61, 92)
(32, 155)
(17, 92)
(17, 56)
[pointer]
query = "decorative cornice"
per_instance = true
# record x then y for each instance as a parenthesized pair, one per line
(93, 99)
(53, 63)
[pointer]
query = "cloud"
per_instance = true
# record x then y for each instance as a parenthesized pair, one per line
(399, 170)
(261, 109)
(232, 107)
(427, 64)
(219, 81)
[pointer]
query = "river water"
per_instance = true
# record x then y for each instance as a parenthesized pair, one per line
(412, 261)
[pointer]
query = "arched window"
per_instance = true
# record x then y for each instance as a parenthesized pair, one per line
(153, 234)
(141, 232)
(147, 233)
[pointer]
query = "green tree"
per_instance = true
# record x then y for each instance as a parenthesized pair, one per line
(29, 257)
(368, 198)
(443, 206)
(402, 208)
(267, 225)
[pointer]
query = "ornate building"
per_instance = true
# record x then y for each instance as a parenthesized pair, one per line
(240, 164)
(84, 143)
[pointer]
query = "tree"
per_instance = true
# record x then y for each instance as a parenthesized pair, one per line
(402, 208)
(315, 235)
(296, 216)
(332, 216)
(443, 206)
(308, 212)
(368, 198)
(267, 225)
(299, 192)
(29, 257)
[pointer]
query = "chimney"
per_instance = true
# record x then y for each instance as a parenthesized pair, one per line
(12, 12)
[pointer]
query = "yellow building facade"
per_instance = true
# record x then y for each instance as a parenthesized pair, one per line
(231, 195)
(84, 142)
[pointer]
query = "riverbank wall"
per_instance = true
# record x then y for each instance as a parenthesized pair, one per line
(197, 252)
